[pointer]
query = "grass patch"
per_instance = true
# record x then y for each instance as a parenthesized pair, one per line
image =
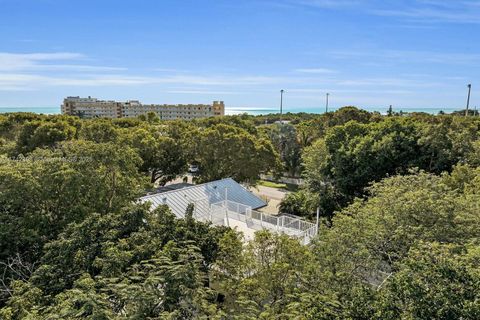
(272, 184)
(278, 185)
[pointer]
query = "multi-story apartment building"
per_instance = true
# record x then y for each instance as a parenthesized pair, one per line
(94, 108)
(91, 107)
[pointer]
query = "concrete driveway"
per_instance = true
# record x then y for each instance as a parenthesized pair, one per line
(272, 196)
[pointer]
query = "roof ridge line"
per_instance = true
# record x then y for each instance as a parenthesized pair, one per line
(190, 187)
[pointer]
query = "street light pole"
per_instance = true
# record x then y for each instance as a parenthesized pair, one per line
(326, 104)
(281, 104)
(468, 99)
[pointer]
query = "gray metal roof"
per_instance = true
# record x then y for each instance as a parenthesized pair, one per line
(170, 187)
(203, 195)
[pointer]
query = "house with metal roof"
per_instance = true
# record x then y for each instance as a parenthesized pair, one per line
(202, 196)
(226, 202)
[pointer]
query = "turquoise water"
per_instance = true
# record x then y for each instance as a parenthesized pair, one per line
(254, 111)
(257, 111)
(43, 110)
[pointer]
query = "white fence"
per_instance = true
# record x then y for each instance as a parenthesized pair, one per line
(221, 212)
(297, 181)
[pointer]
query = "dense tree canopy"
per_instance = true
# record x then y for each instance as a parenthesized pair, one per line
(399, 195)
(341, 165)
(224, 150)
(284, 138)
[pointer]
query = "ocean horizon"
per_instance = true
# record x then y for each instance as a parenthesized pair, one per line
(255, 111)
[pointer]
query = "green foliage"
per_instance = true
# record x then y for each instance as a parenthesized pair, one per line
(409, 251)
(99, 131)
(168, 286)
(7, 147)
(473, 157)
(107, 244)
(39, 134)
(227, 151)
(400, 211)
(261, 278)
(369, 239)
(163, 157)
(400, 195)
(301, 203)
(341, 165)
(42, 194)
(22, 303)
(435, 281)
(446, 142)
(241, 121)
(83, 301)
(284, 139)
(127, 261)
(352, 155)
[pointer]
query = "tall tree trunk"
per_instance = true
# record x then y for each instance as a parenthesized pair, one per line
(153, 177)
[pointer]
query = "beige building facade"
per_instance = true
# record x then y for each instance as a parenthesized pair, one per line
(94, 108)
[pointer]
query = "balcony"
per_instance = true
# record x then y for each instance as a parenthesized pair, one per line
(244, 219)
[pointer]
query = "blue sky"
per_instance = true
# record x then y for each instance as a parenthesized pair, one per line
(368, 53)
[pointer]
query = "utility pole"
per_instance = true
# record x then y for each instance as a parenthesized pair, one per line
(468, 99)
(281, 104)
(326, 104)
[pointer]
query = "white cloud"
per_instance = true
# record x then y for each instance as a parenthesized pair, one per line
(31, 62)
(24, 61)
(409, 56)
(24, 72)
(432, 15)
(64, 72)
(321, 92)
(75, 67)
(421, 11)
(218, 80)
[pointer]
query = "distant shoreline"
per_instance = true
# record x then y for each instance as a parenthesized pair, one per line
(252, 111)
